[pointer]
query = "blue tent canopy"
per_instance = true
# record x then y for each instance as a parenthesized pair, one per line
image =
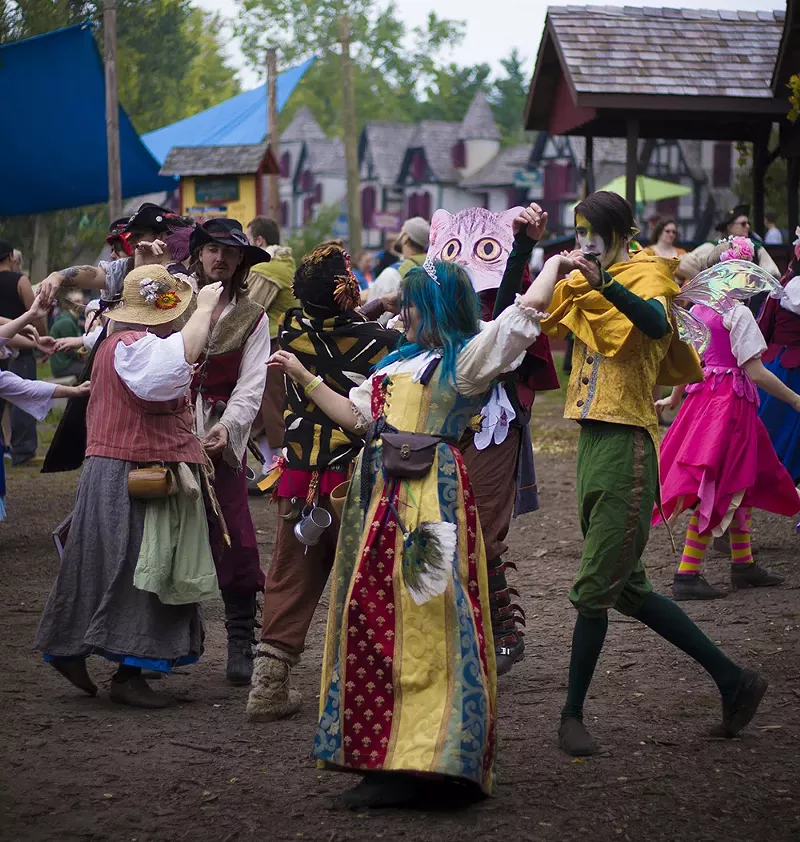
(240, 120)
(54, 154)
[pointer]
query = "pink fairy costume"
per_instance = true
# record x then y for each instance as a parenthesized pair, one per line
(717, 455)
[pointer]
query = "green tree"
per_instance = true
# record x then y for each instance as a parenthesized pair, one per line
(775, 185)
(306, 239)
(509, 97)
(391, 62)
(171, 65)
(450, 91)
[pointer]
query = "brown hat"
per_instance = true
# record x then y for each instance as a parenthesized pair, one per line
(151, 296)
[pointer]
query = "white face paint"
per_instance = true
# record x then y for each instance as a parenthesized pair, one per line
(590, 242)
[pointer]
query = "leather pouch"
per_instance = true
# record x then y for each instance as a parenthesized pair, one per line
(408, 455)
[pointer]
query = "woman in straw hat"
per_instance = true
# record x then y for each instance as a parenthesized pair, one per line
(133, 572)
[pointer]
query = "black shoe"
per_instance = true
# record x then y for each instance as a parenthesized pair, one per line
(240, 662)
(508, 654)
(76, 673)
(384, 789)
(744, 705)
(240, 622)
(574, 739)
(137, 693)
(693, 586)
(753, 576)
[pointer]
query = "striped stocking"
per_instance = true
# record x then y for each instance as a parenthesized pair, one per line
(741, 528)
(694, 549)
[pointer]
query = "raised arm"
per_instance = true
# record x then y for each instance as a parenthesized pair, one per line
(528, 229)
(75, 277)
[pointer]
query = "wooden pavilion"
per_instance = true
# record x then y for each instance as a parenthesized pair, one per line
(689, 74)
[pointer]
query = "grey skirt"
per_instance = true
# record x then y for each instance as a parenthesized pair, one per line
(94, 606)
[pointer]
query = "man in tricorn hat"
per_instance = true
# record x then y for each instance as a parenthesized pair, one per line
(226, 390)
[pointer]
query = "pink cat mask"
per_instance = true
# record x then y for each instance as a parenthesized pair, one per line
(479, 239)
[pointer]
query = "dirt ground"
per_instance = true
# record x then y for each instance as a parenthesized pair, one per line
(72, 767)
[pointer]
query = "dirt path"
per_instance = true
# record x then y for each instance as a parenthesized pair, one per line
(79, 768)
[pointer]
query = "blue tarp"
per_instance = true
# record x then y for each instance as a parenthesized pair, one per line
(239, 120)
(53, 143)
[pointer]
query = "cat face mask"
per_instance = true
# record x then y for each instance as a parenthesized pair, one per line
(479, 239)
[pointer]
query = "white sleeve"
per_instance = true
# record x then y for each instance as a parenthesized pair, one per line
(385, 284)
(245, 400)
(791, 299)
(747, 341)
(90, 338)
(361, 399)
(32, 396)
(154, 369)
(497, 349)
(766, 262)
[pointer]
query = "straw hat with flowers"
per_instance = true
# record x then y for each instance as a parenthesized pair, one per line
(151, 296)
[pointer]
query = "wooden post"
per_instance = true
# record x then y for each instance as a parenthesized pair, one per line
(760, 150)
(588, 167)
(631, 162)
(273, 185)
(41, 248)
(112, 110)
(350, 140)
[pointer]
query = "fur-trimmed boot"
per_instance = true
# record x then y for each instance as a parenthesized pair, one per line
(271, 696)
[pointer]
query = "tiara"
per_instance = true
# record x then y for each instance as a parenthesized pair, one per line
(430, 267)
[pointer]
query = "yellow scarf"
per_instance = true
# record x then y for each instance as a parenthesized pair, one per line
(578, 307)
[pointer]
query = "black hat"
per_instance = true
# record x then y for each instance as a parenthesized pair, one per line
(732, 215)
(227, 232)
(148, 218)
(5, 249)
(118, 226)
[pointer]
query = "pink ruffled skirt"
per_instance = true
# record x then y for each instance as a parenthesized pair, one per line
(718, 457)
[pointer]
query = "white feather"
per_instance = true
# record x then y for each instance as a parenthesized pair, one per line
(434, 579)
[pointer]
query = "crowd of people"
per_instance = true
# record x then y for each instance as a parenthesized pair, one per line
(391, 411)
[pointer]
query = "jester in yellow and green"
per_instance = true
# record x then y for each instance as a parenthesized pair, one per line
(618, 308)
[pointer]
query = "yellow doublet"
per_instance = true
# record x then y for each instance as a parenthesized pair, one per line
(614, 366)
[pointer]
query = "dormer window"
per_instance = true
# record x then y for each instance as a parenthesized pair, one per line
(306, 181)
(458, 154)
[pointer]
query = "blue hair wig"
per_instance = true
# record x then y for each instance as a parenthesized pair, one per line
(449, 311)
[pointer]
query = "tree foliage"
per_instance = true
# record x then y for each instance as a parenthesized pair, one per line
(170, 64)
(306, 239)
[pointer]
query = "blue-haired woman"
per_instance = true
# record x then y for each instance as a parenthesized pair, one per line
(408, 683)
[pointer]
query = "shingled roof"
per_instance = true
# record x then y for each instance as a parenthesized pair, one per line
(302, 126)
(387, 143)
(672, 67)
(325, 156)
(215, 160)
(478, 123)
(499, 172)
(668, 51)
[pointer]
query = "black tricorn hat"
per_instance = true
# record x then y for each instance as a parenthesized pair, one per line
(733, 214)
(118, 226)
(227, 232)
(148, 218)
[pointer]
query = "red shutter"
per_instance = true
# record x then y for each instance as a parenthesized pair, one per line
(368, 206)
(318, 192)
(284, 165)
(722, 165)
(459, 155)
(418, 167)
(306, 181)
(424, 209)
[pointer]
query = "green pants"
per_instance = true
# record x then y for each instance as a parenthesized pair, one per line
(617, 487)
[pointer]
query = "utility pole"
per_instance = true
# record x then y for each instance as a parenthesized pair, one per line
(273, 194)
(112, 110)
(350, 140)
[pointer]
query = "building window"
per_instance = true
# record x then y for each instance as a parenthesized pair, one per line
(368, 207)
(306, 181)
(723, 168)
(459, 155)
(285, 164)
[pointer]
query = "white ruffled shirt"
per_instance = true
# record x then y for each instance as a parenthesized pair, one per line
(32, 396)
(747, 341)
(497, 349)
(154, 369)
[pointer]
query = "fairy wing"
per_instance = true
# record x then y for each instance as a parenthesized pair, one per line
(691, 330)
(727, 282)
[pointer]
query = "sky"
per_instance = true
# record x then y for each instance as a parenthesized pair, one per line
(489, 38)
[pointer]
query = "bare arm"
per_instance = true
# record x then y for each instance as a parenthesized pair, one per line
(767, 381)
(195, 332)
(540, 292)
(26, 295)
(75, 277)
(337, 407)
